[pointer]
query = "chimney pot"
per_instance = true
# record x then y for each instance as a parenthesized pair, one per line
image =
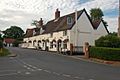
(57, 14)
(41, 22)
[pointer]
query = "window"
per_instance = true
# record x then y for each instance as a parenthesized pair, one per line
(64, 45)
(65, 33)
(69, 20)
(51, 35)
(51, 44)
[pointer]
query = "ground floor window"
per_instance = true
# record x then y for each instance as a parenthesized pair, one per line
(51, 44)
(64, 45)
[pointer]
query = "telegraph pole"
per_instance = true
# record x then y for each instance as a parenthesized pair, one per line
(119, 21)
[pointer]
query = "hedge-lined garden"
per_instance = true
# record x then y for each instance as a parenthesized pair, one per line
(105, 53)
(4, 52)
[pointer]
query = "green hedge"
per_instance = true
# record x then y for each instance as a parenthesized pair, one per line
(5, 52)
(105, 53)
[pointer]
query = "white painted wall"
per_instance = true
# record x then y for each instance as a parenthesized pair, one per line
(100, 31)
(85, 31)
(56, 36)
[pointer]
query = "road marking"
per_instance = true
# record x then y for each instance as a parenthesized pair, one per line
(28, 68)
(56, 73)
(47, 71)
(39, 69)
(25, 66)
(66, 75)
(27, 73)
(8, 74)
(91, 79)
(19, 72)
(32, 69)
(77, 77)
(8, 71)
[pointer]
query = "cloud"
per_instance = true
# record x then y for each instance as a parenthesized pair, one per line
(113, 23)
(22, 12)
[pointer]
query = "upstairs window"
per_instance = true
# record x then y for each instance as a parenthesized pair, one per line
(65, 33)
(69, 20)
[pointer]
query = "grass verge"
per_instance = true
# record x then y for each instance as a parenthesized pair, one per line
(4, 52)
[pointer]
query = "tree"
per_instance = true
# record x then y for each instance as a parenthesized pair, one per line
(34, 23)
(14, 32)
(97, 15)
(113, 34)
(110, 40)
(1, 46)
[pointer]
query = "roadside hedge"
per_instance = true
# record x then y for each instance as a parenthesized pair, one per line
(5, 52)
(105, 53)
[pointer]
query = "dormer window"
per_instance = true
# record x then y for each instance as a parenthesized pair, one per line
(69, 20)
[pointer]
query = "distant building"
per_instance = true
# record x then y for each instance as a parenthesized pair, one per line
(8, 42)
(62, 33)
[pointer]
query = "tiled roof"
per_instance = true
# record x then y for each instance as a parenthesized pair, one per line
(61, 23)
(9, 40)
(29, 33)
(96, 24)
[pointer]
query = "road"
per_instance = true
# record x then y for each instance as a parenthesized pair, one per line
(40, 65)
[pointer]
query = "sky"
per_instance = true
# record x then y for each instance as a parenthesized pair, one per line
(22, 12)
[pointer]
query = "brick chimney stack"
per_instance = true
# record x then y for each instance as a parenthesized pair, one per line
(41, 22)
(57, 14)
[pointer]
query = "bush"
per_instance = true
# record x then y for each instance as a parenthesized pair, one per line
(1, 44)
(4, 52)
(16, 43)
(105, 53)
(108, 41)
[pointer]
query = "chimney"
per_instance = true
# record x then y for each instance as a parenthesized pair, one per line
(57, 14)
(40, 22)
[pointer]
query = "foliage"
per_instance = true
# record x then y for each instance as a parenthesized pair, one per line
(113, 34)
(5, 52)
(34, 22)
(97, 14)
(105, 53)
(0, 36)
(1, 44)
(16, 43)
(13, 32)
(108, 41)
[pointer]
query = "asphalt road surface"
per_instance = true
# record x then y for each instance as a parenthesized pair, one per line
(41, 65)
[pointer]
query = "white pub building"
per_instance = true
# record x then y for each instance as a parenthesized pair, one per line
(65, 32)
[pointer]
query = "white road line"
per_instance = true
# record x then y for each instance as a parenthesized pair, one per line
(8, 74)
(34, 67)
(32, 70)
(47, 71)
(56, 73)
(28, 68)
(91, 79)
(19, 72)
(39, 69)
(77, 77)
(27, 73)
(8, 71)
(66, 75)
(25, 66)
